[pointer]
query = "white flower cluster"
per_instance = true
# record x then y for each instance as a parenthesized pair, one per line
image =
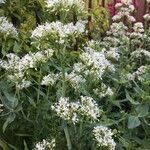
(117, 29)
(148, 1)
(116, 35)
(125, 8)
(61, 30)
(139, 74)
(1, 105)
(97, 61)
(75, 77)
(54, 5)
(103, 137)
(24, 83)
(113, 52)
(2, 1)
(66, 110)
(138, 33)
(72, 111)
(7, 28)
(146, 17)
(93, 43)
(140, 52)
(138, 27)
(16, 66)
(50, 79)
(45, 145)
(105, 91)
(89, 108)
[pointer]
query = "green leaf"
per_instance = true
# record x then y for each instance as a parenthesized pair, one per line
(13, 101)
(3, 145)
(23, 135)
(125, 142)
(31, 101)
(131, 99)
(117, 103)
(8, 121)
(12, 147)
(146, 143)
(142, 110)
(25, 145)
(16, 47)
(133, 122)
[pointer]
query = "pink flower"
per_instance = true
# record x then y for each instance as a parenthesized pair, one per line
(111, 8)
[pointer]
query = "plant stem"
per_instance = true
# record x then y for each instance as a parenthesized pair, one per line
(68, 138)
(80, 134)
(39, 86)
(66, 131)
(89, 19)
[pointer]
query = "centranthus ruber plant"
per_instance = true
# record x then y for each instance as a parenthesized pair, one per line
(66, 92)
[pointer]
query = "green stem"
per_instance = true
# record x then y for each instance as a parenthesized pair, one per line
(39, 86)
(48, 92)
(66, 131)
(80, 135)
(68, 138)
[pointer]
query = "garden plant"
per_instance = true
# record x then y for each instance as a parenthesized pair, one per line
(71, 79)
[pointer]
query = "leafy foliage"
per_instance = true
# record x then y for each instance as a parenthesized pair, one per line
(60, 90)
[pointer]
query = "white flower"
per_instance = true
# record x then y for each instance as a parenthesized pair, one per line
(124, 10)
(140, 52)
(75, 79)
(63, 31)
(148, 1)
(113, 53)
(118, 5)
(117, 29)
(12, 63)
(53, 5)
(105, 91)
(50, 79)
(139, 74)
(130, 76)
(109, 91)
(49, 53)
(146, 17)
(116, 17)
(89, 108)
(97, 61)
(7, 28)
(73, 111)
(131, 18)
(27, 62)
(23, 84)
(103, 137)
(127, 2)
(45, 144)
(2, 1)
(1, 105)
(132, 8)
(138, 27)
(78, 67)
(66, 110)
(16, 66)
(16, 77)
